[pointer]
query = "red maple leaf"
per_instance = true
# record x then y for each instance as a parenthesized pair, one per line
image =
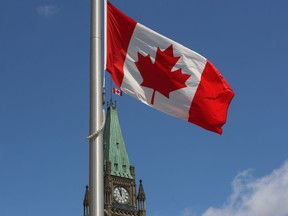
(158, 75)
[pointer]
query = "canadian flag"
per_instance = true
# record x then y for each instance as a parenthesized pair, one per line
(164, 74)
(117, 91)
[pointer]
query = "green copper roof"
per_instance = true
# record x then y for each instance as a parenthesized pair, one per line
(114, 146)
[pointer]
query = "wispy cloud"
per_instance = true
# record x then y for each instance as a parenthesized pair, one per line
(47, 10)
(252, 197)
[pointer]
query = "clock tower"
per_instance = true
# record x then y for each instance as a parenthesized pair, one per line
(120, 194)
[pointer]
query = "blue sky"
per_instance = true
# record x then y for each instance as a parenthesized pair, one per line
(186, 171)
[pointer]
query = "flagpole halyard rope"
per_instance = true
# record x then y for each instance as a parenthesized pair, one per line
(97, 133)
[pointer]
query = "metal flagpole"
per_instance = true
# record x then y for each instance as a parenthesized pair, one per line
(96, 186)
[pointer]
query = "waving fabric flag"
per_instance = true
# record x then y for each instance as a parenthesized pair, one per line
(116, 91)
(164, 74)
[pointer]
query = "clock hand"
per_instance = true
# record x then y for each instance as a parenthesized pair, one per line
(120, 190)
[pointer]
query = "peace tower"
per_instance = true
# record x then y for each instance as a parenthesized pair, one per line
(120, 195)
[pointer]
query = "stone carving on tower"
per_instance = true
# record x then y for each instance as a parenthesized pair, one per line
(120, 196)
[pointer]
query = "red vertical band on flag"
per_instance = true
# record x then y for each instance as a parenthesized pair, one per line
(210, 104)
(119, 32)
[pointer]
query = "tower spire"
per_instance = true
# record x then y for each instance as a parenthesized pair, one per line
(141, 200)
(86, 202)
(114, 145)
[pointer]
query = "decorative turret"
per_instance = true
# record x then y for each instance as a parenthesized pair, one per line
(141, 200)
(86, 202)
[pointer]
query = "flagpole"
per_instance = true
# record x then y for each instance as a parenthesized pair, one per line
(96, 186)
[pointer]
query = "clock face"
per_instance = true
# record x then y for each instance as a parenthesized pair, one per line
(121, 195)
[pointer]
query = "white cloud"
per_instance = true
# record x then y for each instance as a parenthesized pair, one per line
(265, 196)
(47, 10)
